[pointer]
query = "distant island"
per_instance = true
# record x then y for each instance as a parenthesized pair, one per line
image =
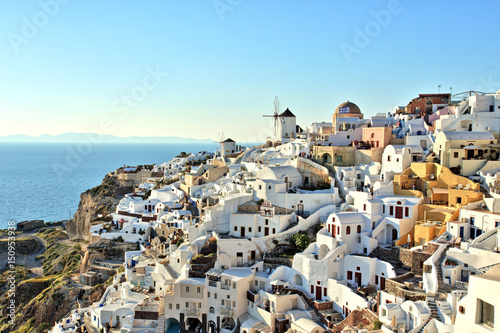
(78, 137)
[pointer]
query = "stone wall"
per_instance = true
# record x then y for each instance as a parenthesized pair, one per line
(412, 259)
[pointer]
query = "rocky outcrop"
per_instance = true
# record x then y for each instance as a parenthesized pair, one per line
(101, 199)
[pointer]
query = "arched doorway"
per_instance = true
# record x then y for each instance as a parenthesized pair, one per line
(172, 325)
(193, 324)
(297, 280)
(323, 251)
(228, 323)
(327, 159)
(211, 326)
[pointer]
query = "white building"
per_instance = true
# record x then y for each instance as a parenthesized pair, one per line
(287, 125)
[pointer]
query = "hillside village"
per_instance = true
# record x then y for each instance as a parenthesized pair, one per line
(388, 223)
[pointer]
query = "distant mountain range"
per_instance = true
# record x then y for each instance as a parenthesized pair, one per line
(93, 137)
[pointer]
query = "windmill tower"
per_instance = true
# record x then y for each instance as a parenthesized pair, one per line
(275, 114)
(226, 146)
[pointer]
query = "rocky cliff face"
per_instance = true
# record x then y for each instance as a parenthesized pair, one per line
(101, 199)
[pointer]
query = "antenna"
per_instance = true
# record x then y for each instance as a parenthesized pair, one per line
(276, 113)
(439, 88)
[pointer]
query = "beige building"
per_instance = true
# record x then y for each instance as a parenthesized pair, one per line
(466, 152)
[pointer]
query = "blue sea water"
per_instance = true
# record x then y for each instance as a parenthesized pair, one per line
(45, 180)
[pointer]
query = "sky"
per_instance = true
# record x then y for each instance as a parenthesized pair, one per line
(198, 68)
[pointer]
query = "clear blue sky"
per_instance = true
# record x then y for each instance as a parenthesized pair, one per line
(227, 59)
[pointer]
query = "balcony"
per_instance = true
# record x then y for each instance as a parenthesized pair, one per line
(192, 312)
(224, 286)
(226, 312)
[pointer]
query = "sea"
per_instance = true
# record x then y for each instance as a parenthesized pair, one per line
(44, 180)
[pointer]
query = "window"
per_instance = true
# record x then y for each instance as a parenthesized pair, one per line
(215, 295)
(208, 295)
(459, 200)
(348, 230)
(373, 135)
(364, 207)
(349, 275)
(177, 306)
(389, 158)
(383, 209)
(235, 228)
(455, 154)
(358, 229)
(358, 176)
(391, 210)
(222, 302)
(312, 289)
(260, 187)
(187, 304)
(267, 222)
(472, 218)
(491, 108)
(348, 136)
(249, 229)
(487, 312)
(274, 230)
(170, 306)
(260, 229)
(187, 289)
(497, 224)
(376, 279)
(212, 309)
(198, 289)
(339, 159)
(333, 219)
(407, 211)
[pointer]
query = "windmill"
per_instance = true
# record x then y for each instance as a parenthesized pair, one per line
(220, 140)
(276, 113)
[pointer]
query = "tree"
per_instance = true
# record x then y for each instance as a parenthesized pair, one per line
(299, 240)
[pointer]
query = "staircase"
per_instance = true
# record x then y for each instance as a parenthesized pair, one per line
(446, 308)
(442, 287)
(433, 306)
(171, 271)
(161, 316)
(313, 315)
(311, 311)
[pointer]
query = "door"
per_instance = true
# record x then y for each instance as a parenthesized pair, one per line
(399, 212)
(318, 293)
(470, 153)
(382, 283)
(266, 231)
(252, 255)
(300, 209)
(465, 276)
(357, 278)
(394, 234)
(242, 231)
(462, 232)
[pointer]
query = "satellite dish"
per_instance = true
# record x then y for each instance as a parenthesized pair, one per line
(432, 176)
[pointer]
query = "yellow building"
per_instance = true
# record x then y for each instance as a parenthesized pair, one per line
(443, 194)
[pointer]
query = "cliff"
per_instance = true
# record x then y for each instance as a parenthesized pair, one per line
(101, 199)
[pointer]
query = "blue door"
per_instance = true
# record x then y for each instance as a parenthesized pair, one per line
(462, 232)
